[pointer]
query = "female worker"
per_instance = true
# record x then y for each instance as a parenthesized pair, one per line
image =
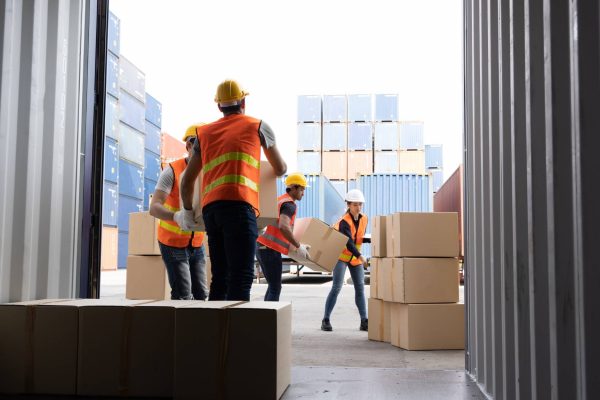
(353, 224)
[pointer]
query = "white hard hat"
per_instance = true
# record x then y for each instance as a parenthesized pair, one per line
(355, 196)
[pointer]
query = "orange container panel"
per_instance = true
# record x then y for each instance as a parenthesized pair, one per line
(359, 163)
(109, 249)
(449, 198)
(335, 164)
(172, 148)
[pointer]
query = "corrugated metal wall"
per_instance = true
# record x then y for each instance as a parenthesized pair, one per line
(42, 117)
(532, 134)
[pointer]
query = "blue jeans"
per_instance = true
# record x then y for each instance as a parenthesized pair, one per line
(186, 269)
(270, 263)
(358, 279)
(232, 233)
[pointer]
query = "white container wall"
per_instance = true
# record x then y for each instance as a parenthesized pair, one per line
(309, 108)
(112, 74)
(437, 176)
(335, 137)
(309, 162)
(335, 108)
(386, 107)
(434, 156)
(386, 136)
(131, 145)
(411, 136)
(132, 112)
(132, 80)
(309, 137)
(386, 162)
(111, 117)
(360, 108)
(360, 136)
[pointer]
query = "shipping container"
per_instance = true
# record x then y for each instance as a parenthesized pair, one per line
(114, 34)
(131, 179)
(335, 108)
(386, 135)
(434, 156)
(110, 248)
(123, 250)
(411, 136)
(340, 186)
(111, 117)
(309, 137)
(132, 80)
(352, 184)
(359, 163)
(127, 205)
(171, 148)
(360, 108)
(437, 176)
(152, 166)
(111, 160)
(309, 162)
(149, 187)
(131, 144)
(153, 138)
(132, 112)
(335, 164)
(360, 136)
(112, 74)
(386, 162)
(321, 200)
(309, 108)
(335, 136)
(110, 203)
(412, 162)
(449, 198)
(386, 107)
(153, 111)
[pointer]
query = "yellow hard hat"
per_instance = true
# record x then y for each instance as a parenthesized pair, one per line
(296, 179)
(191, 131)
(229, 93)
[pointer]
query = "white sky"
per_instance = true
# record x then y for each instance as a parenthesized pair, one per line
(279, 49)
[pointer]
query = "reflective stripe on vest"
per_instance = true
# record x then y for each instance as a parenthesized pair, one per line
(169, 233)
(273, 237)
(357, 236)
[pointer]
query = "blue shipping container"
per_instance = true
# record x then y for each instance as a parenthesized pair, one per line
(321, 200)
(127, 205)
(110, 204)
(149, 187)
(360, 136)
(309, 108)
(114, 34)
(112, 74)
(123, 250)
(386, 136)
(132, 80)
(389, 193)
(132, 112)
(335, 136)
(386, 162)
(111, 117)
(309, 137)
(437, 176)
(340, 186)
(131, 145)
(111, 160)
(335, 108)
(360, 108)
(309, 162)
(152, 139)
(152, 166)
(386, 107)
(153, 110)
(433, 156)
(411, 136)
(131, 180)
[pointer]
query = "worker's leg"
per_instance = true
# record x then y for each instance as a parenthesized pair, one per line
(338, 281)
(198, 272)
(270, 262)
(178, 271)
(218, 258)
(263, 268)
(358, 280)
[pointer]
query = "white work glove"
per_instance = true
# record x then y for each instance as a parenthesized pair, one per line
(185, 219)
(302, 251)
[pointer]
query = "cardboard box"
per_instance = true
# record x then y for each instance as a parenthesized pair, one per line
(375, 268)
(143, 234)
(423, 235)
(387, 322)
(110, 248)
(419, 280)
(326, 244)
(260, 336)
(199, 369)
(378, 236)
(428, 326)
(375, 319)
(267, 197)
(103, 361)
(147, 279)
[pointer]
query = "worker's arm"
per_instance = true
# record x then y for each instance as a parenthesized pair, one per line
(267, 141)
(157, 208)
(285, 227)
(188, 179)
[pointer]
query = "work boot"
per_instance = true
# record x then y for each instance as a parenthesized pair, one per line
(364, 324)
(326, 325)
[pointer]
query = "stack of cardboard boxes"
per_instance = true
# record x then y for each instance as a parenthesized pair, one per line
(415, 283)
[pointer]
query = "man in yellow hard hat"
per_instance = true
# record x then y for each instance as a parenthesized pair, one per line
(227, 152)
(278, 239)
(182, 250)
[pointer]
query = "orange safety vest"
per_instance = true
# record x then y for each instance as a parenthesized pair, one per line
(169, 232)
(230, 151)
(273, 237)
(357, 236)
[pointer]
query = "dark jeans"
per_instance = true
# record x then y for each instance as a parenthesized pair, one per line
(232, 233)
(186, 269)
(270, 263)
